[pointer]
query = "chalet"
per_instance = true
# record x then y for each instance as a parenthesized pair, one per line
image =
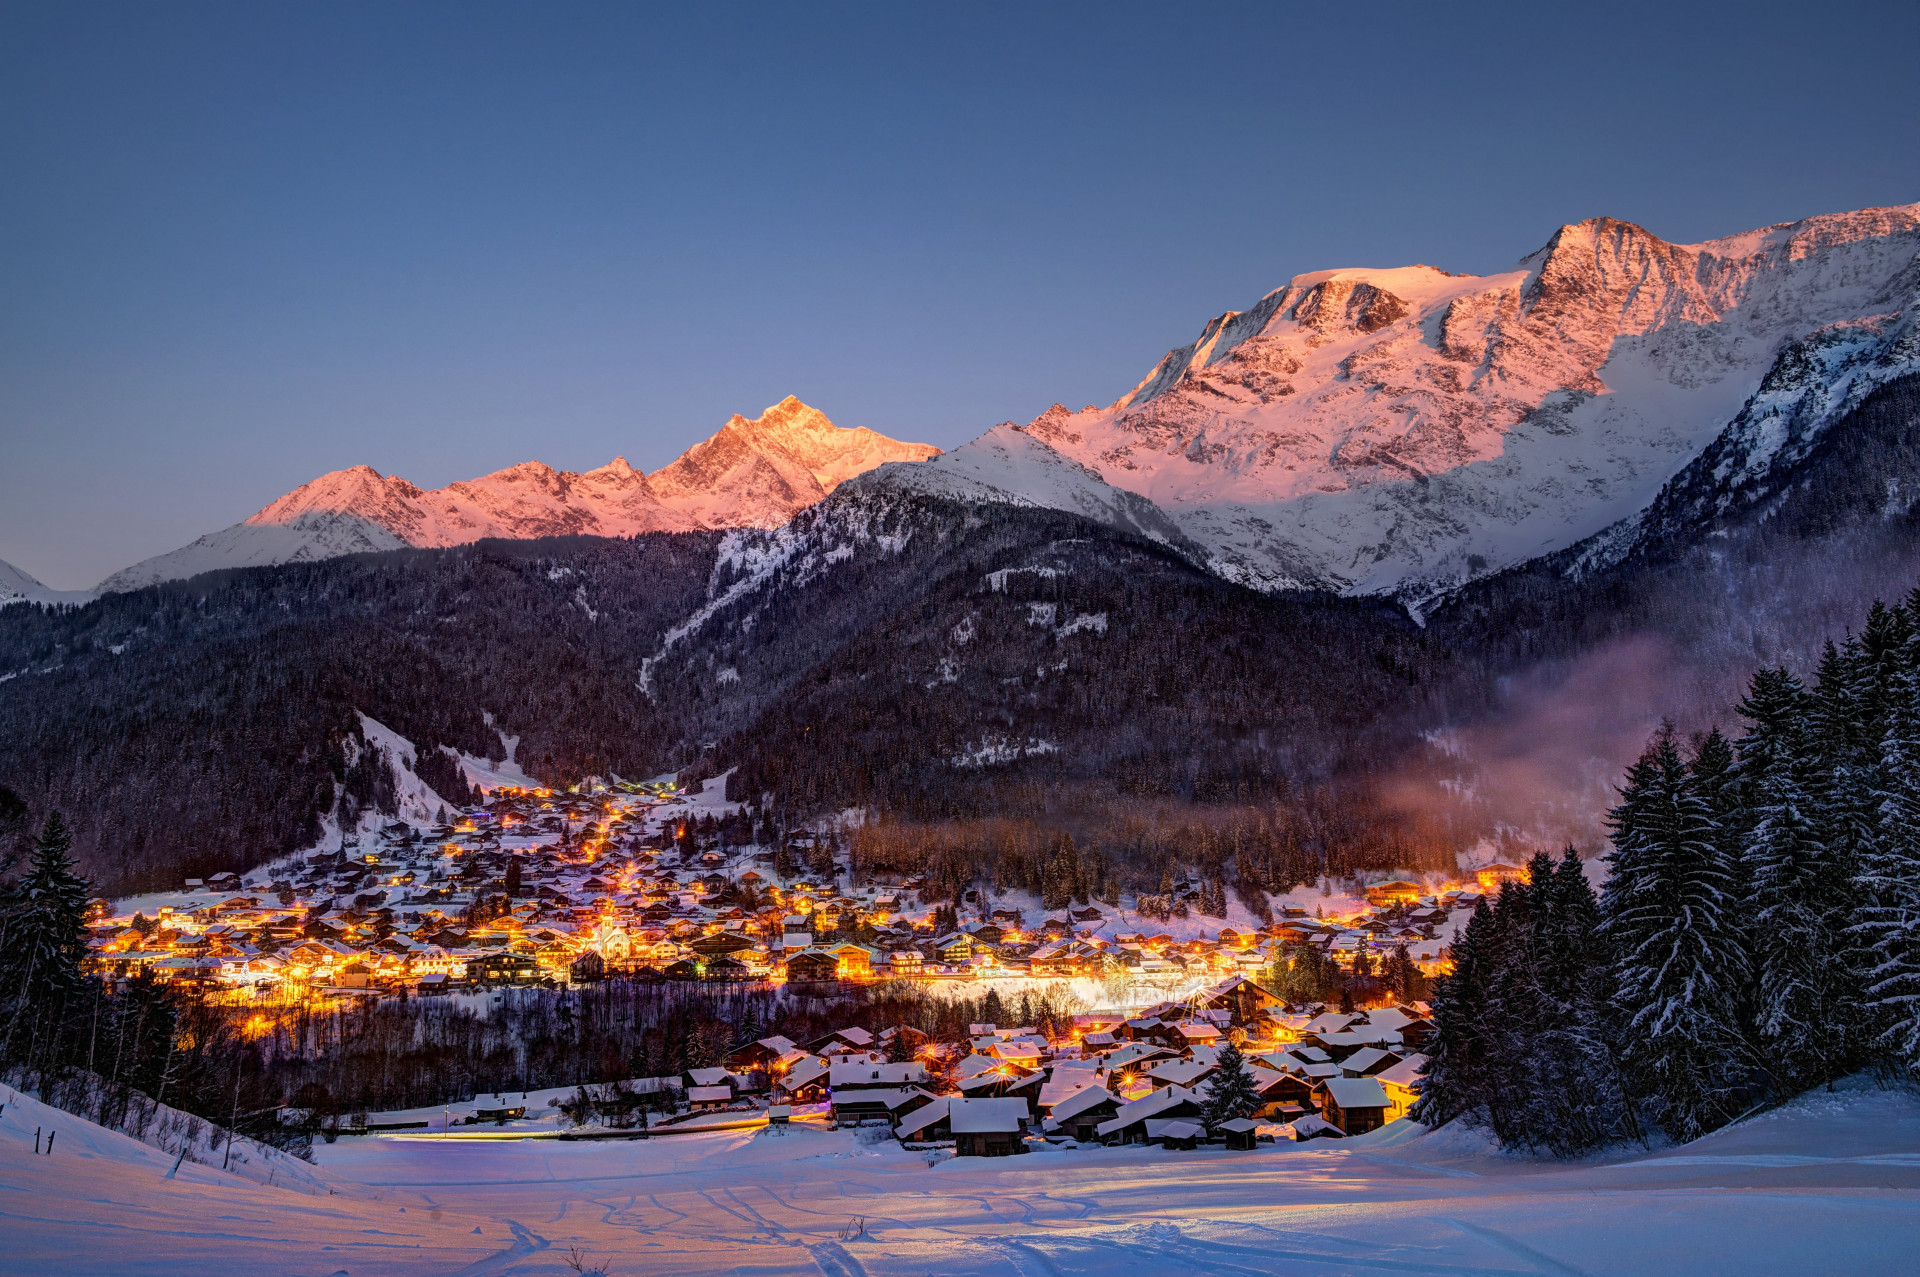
(1313, 1128)
(721, 944)
(1128, 1125)
(1402, 1084)
(1240, 1133)
(1282, 1095)
(1079, 1115)
(1192, 1034)
(701, 1098)
(1493, 876)
(503, 968)
(713, 1077)
(951, 949)
(989, 1127)
(1385, 895)
(1368, 1061)
(856, 1039)
(758, 1057)
(1354, 1104)
(1174, 1133)
(1187, 1073)
(875, 1077)
(927, 1124)
(723, 970)
(887, 1105)
(803, 1083)
(1243, 1000)
(855, 960)
(500, 1116)
(813, 966)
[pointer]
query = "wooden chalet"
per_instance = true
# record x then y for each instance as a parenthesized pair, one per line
(1079, 1115)
(988, 1127)
(1128, 1125)
(1354, 1104)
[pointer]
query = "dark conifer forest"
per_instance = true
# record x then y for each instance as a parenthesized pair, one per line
(1758, 932)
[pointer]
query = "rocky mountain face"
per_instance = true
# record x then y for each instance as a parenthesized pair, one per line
(753, 473)
(1403, 431)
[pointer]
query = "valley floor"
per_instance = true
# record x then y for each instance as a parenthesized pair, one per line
(1830, 1184)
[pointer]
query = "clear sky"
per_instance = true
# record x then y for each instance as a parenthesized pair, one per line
(244, 244)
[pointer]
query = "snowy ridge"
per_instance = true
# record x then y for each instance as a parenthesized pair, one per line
(1009, 466)
(755, 472)
(18, 587)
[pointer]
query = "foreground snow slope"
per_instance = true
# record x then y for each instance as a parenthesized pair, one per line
(1829, 1185)
(754, 472)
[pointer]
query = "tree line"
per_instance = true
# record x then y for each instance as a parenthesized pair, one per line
(1758, 934)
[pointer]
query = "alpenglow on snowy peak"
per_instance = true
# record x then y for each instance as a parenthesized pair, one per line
(755, 472)
(1401, 431)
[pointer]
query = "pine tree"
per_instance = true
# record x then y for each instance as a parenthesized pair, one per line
(1582, 1102)
(1457, 1052)
(1806, 1009)
(1888, 877)
(1671, 919)
(1400, 974)
(1230, 1091)
(44, 945)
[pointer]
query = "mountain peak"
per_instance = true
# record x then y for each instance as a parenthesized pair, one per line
(752, 472)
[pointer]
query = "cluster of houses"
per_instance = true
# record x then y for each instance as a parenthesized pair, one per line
(546, 887)
(1114, 1079)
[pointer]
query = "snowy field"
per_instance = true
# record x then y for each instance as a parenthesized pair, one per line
(1829, 1185)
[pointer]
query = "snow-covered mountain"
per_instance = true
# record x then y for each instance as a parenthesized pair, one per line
(18, 587)
(754, 472)
(1404, 430)
(1010, 466)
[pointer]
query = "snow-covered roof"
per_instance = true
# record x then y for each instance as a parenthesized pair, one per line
(1357, 1092)
(987, 1116)
(1405, 1073)
(922, 1118)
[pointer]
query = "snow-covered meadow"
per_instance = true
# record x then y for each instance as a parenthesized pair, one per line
(1830, 1184)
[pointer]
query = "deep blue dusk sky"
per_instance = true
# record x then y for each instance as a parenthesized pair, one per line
(244, 244)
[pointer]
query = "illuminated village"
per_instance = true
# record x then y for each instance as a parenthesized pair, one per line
(546, 889)
(558, 888)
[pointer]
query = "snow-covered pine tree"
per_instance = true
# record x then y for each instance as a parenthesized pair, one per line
(1457, 1050)
(1582, 1103)
(45, 942)
(1806, 1004)
(1679, 963)
(1230, 1091)
(1399, 974)
(1515, 1010)
(1888, 878)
